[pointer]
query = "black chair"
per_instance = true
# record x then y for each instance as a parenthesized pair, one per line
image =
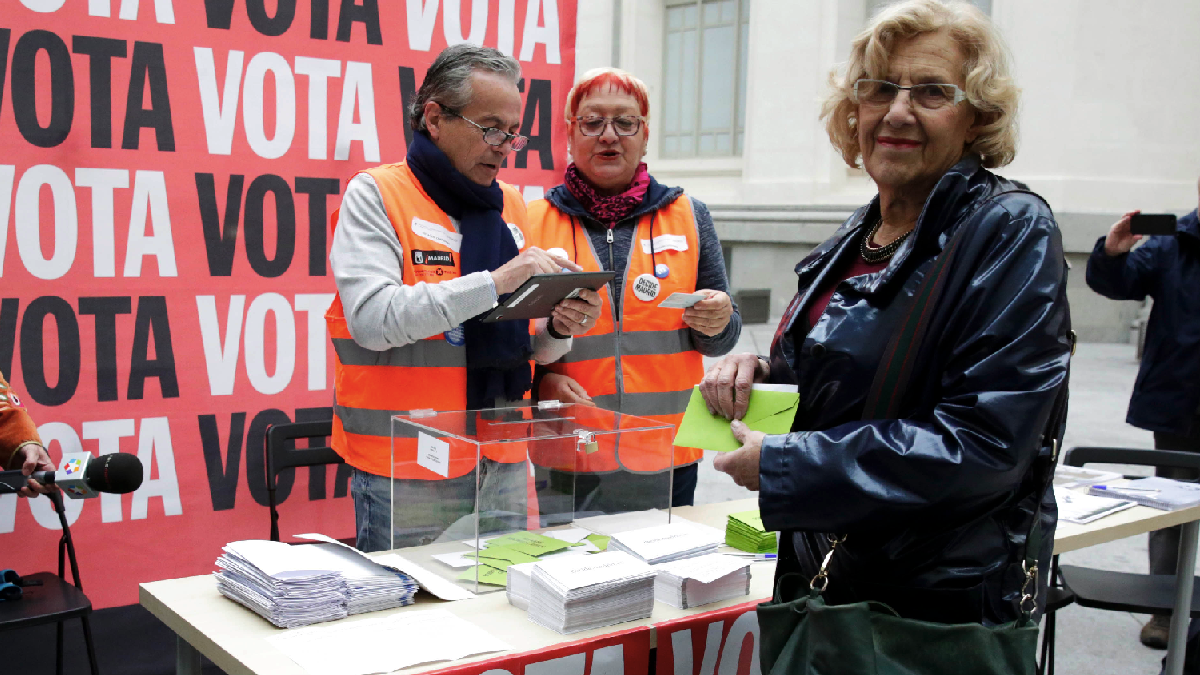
(1057, 597)
(1122, 591)
(282, 454)
(49, 598)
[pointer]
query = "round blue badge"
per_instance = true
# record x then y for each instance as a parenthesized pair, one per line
(455, 336)
(661, 270)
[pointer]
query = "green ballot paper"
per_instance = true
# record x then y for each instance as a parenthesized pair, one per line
(529, 543)
(496, 555)
(771, 411)
(487, 575)
(745, 531)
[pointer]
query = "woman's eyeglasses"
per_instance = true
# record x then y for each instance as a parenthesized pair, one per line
(623, 125)
(880, 93)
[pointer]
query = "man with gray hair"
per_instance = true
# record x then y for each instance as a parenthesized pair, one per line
(421, 250)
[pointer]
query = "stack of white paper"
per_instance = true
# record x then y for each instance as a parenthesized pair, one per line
(520, 584)
(664, 543)
(288, 587)
(699, 581)
(579, 593)
(369, 585)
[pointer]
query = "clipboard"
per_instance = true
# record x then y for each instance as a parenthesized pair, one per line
(536, 298)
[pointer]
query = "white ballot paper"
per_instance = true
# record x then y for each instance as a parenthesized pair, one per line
(664, 543)
(383, 645)
(681, 300)
(580, 593)
(443, 588)
(699, 581)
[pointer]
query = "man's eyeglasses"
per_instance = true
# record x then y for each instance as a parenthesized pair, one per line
(623, 125)
(879, 93)
(492, 135)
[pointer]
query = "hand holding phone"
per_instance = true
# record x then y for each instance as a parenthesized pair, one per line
(1119, 239)
(1152, 223)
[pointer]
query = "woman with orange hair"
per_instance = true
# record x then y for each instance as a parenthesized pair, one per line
(639, 358)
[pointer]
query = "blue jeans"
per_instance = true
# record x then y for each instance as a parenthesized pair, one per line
(424, 511)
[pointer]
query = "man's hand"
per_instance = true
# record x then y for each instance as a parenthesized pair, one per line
(33, 457)
(710, 315)
(726, 386)
(557, 387)
(1120, 240)
(742, 464)
(533, 260)
(575, 316)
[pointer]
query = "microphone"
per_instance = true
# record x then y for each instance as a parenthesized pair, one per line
(83, 477)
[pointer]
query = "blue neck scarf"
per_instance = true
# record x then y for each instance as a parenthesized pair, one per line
(497, 353)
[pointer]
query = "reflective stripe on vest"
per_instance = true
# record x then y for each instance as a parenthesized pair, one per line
(644, 362)
(372, 386)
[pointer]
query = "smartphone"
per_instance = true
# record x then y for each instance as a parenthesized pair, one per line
(1152, 223)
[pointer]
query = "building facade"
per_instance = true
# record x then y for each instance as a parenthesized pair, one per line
(1107, 120)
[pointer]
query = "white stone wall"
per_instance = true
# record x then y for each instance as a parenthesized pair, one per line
(1110, 105)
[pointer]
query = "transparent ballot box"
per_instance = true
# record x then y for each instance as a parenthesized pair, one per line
(461, 478)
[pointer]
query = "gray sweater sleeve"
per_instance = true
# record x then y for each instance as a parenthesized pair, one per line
(367, 262)
(711, 274)
(381, 310)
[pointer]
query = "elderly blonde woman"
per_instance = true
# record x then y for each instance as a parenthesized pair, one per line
(638, 358)
(936, 496)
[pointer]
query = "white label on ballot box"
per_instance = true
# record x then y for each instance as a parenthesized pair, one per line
(433, 454)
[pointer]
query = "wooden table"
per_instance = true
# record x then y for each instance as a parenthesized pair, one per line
(234, 638)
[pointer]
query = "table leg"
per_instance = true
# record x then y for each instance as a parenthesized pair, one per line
(187, 659)
(1184, 575)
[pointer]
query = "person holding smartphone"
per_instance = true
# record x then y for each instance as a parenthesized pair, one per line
(1166, 396)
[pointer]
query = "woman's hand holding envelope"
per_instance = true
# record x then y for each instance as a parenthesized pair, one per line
(726, 386)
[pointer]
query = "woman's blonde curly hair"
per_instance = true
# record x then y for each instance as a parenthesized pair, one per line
(989, 83)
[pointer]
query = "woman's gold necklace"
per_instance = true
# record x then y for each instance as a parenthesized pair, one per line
(878, 255)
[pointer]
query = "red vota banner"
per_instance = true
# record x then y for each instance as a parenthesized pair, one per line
(167, 173)
(623, 653)
(721, 642)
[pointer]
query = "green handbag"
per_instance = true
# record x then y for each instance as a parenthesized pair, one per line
(804, 636)
(801, 635)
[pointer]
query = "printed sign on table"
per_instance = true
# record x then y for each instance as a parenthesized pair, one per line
(721, 642)
(167, 173)
(623, 653)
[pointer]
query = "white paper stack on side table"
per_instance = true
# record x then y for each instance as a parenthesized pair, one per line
(286, 587)
(699, 581)
(664, 543)
(579, 593)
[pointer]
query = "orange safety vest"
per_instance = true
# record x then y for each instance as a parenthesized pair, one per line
(643, 362)
(371, 386)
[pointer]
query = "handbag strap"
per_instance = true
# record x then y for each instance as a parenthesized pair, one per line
(891, 378)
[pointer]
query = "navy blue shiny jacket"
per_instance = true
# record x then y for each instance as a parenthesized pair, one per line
(1167, 392)
(937, 504)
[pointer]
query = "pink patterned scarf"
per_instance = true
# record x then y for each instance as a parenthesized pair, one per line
(608, 209)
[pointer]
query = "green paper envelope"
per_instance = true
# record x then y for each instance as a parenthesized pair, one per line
(770, 412)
